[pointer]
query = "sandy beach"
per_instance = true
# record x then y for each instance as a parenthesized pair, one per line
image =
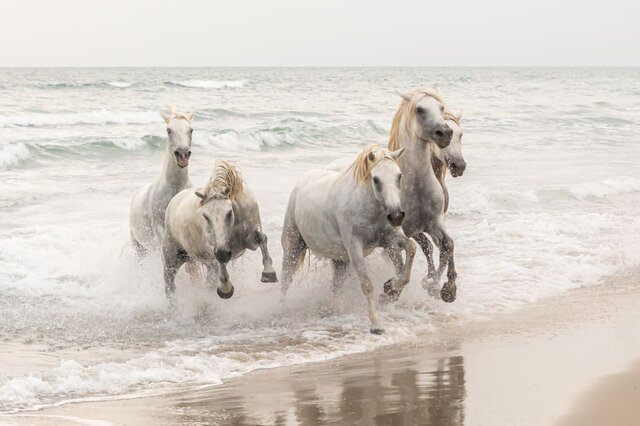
(569, 360)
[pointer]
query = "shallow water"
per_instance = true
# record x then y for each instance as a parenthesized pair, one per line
(549, 202)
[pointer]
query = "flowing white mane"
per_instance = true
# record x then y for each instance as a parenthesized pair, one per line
(366, 161)
(225, 181)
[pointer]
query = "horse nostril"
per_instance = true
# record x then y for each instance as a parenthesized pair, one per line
(401, 215)
(439, 133)
(188, 154)
(389, 218)
(176, 153)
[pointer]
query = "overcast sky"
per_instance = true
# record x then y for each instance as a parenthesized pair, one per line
(319, 33)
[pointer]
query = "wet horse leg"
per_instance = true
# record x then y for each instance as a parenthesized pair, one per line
(445, 244)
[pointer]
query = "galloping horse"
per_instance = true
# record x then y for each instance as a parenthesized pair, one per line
(419, 123)
(343, 216)
(213, 226)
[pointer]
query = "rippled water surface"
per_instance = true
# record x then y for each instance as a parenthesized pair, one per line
(549, 202)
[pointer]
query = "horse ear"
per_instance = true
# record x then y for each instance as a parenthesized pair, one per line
(227, 190)
(190, 116)
(166, 117)
(404, 95)
(459, 116)
(371, 156)
(397, 153)
(199, 195)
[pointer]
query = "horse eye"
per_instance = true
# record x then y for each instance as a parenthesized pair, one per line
(441, 108)
(229, 215)
(399, 177)
(419, 110)
(376, 182)
(190, 131)
(206, 217)
(169, 131)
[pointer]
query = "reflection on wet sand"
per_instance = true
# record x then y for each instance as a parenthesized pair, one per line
(405, 391)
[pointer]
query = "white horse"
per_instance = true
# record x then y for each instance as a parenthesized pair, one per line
(213, 226)
(146, 219)
(419, 123)
(343, 216)
(442, 159)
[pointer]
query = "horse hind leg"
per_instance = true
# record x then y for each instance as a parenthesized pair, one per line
(139, 250)
(293, 252)
(339, 274)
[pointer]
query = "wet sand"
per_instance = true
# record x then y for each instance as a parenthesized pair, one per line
(569, 360)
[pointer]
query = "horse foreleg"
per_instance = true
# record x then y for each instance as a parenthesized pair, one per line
(356, 257)
(427, 250)
(268, 273)
(393, 288)
(172, 260)
(446, 246)
(224, 288)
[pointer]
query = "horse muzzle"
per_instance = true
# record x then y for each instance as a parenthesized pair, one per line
(223, 255)
(396, 218)
(457, 168)
(182, 158)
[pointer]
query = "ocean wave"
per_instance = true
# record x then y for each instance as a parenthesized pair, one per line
(12, 155)
(207, 84)
(604, 188)
(119, 84)
(79, 118)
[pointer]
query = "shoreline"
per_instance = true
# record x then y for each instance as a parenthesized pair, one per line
(537, 365)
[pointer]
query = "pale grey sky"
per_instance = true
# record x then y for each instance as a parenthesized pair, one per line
(319, 33)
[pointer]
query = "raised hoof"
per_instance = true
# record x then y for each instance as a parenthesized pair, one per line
(377, 331)
(390, 291)
(225, 295)
(269, 277)
(448, 293)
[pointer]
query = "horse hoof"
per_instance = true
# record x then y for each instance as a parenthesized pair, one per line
(225, 295)
(376, 330)
(390, 291)
(269, 277)
(448, 293)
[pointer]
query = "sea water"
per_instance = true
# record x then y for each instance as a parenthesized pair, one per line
(550, 201)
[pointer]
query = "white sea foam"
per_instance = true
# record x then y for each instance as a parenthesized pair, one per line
(12, 154)
(79, 118)
(524, 226)
(209, 84)
(119, 84)
(606, 187)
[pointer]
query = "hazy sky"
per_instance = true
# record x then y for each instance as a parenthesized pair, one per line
(322, 33)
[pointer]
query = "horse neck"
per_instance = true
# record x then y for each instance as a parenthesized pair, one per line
(172, 175)
(416, 162)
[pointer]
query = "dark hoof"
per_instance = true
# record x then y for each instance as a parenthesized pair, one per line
(390, 291)
(377, 331)
(225, 295)
(269, 277)
(448, 293)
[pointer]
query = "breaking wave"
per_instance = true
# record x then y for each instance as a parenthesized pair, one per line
(207, 84)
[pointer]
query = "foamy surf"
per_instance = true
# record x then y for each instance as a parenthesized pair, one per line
(208, 84)
(534, 216)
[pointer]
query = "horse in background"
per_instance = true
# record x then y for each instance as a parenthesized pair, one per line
(146, 218)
